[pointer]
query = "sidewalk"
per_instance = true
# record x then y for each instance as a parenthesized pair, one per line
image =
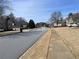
(57, 48)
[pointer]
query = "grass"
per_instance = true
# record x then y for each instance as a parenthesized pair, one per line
(8, 33)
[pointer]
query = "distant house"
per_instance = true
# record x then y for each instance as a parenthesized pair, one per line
(59, 23)
(74, 20)
(69, 21)
(55, 24)
(42, 24)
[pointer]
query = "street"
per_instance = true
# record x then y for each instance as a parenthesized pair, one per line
(13, 46)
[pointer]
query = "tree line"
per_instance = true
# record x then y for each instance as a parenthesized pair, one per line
(7, 22)
(57, 18)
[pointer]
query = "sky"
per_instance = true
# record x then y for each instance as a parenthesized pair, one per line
(41, 10)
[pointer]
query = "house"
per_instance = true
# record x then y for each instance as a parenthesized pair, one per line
(42, 24)
(69, 21)
(59, 23)
(74, 20)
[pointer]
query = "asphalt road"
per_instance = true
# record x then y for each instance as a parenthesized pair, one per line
(13, 46)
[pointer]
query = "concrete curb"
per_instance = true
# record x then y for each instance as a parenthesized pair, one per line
(39, 49)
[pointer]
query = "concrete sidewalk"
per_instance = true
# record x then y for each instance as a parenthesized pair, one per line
(57, 48)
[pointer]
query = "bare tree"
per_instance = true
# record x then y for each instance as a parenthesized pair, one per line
(4, 4)
(55, 17)
(20, 21)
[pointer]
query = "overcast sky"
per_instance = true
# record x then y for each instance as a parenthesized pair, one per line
(40, 10)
